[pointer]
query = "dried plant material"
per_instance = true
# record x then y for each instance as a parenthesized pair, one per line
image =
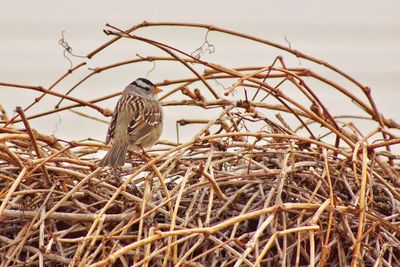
(308, 188)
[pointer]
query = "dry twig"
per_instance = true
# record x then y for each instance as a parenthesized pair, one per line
(311, 188)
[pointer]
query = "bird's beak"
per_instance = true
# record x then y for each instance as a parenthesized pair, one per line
(156, 90)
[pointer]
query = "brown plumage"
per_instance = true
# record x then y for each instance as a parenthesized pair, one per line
(137, 122)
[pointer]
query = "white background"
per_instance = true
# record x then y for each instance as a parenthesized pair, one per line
(360, 37)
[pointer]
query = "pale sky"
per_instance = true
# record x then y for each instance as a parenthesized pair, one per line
(360, 37)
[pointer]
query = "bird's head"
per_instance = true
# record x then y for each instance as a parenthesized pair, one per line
(144, 88)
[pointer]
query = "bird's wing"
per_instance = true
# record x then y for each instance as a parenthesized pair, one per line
(149, 116)
(111, 127)
(123, 108)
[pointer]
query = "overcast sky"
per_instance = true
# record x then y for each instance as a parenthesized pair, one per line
(360, 37)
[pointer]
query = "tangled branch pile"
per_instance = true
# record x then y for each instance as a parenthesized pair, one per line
(308, 186)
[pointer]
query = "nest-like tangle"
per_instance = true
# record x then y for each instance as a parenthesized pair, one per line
(246, 189)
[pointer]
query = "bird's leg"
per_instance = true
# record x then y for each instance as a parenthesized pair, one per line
(144, 155)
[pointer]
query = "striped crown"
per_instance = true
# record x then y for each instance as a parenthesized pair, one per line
(143, 83)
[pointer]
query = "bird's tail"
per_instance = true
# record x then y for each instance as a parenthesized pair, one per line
(115, 157)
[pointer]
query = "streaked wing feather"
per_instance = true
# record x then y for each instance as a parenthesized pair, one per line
(149, 118)
(111, 127)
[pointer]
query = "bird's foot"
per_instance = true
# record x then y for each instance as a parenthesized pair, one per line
(145, 156)
(134, 156)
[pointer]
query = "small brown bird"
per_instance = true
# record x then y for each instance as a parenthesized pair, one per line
(137, 122)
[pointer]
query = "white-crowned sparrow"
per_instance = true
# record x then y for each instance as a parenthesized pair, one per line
(137, 122)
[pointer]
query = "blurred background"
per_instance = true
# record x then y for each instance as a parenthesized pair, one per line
(362, 38)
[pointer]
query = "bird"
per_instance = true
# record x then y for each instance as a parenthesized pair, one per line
(136, 123)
